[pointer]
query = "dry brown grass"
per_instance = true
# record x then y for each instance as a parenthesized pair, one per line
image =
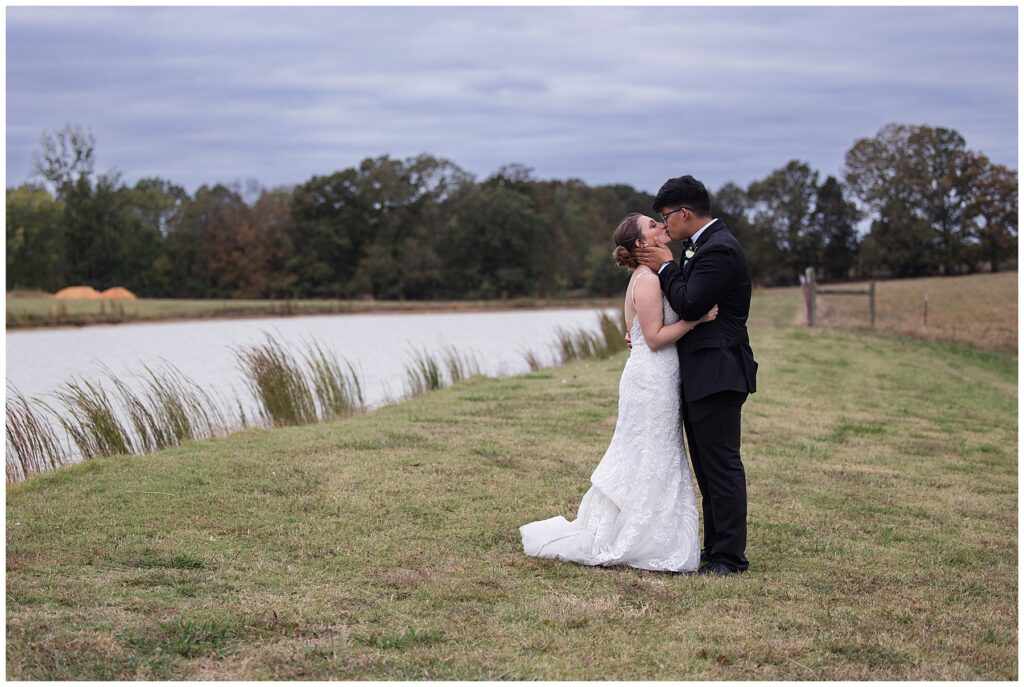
(978, 309)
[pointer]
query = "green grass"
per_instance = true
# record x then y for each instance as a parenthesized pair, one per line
(882, 478)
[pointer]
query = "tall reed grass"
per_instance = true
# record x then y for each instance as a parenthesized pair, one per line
(532, 360)
(92, 422)
(336, 385)
(583, 344)
(32, 442)
(167, 408)
(291, 391)
(612, 333)
(578, 344)
(422, 373)
(276, 380)
(460, 365)
(100, 421)
(425, 372)
(171, 409)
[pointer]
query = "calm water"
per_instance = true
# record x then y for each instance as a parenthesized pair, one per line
(379, 346)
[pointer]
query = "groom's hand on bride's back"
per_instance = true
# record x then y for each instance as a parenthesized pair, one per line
(654, 255)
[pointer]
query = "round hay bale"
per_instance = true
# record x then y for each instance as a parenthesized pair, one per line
(119, 293)
(78, 292)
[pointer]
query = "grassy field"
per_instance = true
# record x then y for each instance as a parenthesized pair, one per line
(883, 536)
(40, 311)
(979, 310)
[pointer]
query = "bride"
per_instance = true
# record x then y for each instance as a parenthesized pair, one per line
(640, 510)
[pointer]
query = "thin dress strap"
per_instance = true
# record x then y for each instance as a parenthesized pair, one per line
(632, 293)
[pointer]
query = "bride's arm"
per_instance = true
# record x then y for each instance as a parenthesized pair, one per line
(647, 291)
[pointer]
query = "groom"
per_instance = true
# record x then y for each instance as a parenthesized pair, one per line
(716, 365)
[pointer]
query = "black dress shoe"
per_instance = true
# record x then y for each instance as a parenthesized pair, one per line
(717, 569)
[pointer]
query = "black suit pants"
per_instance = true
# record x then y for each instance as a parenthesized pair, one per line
(712, 426)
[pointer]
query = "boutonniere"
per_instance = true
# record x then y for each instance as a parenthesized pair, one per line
(689, 253)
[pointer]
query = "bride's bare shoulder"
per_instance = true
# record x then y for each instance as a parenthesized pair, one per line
(646, 281)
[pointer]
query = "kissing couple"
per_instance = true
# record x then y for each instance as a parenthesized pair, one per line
(690, 368)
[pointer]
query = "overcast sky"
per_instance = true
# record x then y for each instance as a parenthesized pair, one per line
(608, 95)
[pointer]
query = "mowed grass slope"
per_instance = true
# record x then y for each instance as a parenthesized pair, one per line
(979, 309)
(883, 543)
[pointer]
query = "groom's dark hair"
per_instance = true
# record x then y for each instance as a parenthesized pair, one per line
(684, 191)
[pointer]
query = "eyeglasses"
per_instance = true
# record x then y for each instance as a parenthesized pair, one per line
(665, 215)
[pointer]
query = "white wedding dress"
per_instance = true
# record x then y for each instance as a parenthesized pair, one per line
(640, 510)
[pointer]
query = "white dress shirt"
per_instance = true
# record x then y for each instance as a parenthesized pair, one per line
(692, 238)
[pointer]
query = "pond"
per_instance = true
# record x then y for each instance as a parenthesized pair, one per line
(380, 346)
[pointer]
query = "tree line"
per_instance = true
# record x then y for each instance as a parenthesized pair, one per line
(423, 228)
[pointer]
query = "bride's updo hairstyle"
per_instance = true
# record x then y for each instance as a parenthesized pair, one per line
(625, 237)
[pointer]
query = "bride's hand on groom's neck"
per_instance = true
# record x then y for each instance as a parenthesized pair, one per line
(653, 254)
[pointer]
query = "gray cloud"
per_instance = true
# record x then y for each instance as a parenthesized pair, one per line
(609, 95)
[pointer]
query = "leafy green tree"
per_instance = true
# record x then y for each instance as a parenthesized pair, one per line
(205, 244)
(423, 228)
(514, 177)
(157, 201)
(328, 234)
(835, 220)
(601, 209)
(439, 187)
(407, 206)
(107, 240)
(917, 174)
(605, 278)
(142, 248)
(992, 211)
(733, 206)
(67, 162)
(782, 206)
(900, 243)
(152, 206)
(35, 239)
(272, 223)
(577, 225)
(943, 183)
(494, 245)
(562, 265)
(103, 241)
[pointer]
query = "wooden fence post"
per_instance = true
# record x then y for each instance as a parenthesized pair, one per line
(806, 297)
(872, 294)
(812, 301)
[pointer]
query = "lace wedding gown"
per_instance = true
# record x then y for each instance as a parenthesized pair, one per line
(640, 510)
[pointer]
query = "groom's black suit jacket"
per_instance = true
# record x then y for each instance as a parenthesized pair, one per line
(715, 356)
